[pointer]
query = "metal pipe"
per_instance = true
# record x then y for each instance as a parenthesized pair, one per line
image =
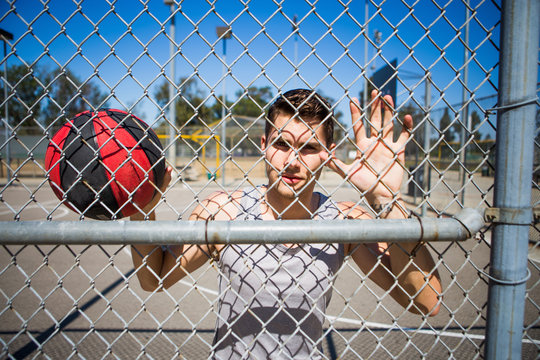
(223, 33)
(172, 92)
(427, 146)
(224, 126)
(366, 34)
(465, 128)
(513, 173)
(6, 125)
(466, 223)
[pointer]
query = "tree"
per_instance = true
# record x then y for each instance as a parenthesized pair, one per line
(475, 124)
(68, 95)
(446, 127)
(253, 101)
(24, 93)
(190, 104)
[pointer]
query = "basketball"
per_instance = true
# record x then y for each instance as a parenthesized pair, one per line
(105, 164)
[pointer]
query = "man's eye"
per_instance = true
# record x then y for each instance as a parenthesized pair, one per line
(310, 148)
(281, 144)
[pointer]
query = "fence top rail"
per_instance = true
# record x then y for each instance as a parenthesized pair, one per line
(461, 227)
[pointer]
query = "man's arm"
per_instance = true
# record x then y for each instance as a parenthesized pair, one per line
(414, 270)
(159, 268)
(407, 270)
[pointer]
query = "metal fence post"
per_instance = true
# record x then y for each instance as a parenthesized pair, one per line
(465, 94)
(5, 36)
(515, 132)
(427, 145)
(172, 87)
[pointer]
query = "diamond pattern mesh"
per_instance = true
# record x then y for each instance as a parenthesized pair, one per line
(85, 301)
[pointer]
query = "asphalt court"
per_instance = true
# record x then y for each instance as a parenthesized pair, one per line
(85, 300)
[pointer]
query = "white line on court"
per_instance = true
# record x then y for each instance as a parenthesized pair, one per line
(187, 282)
(370, 324)
(59, 212)
(417, 331)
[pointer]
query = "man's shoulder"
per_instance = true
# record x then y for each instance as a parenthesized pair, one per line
(220, 205)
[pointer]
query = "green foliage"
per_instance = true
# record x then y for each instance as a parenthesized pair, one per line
(68, 95)
(475, 124)
(190, 104)
(252, 102)
(24, 93)
(446, 127)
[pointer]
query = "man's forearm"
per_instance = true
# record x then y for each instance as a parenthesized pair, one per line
(390, 208)
(147, 259)
(412, 265)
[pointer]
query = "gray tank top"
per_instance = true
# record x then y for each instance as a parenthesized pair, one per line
(273, 298)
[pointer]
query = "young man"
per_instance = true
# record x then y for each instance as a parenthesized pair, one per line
(273, 298)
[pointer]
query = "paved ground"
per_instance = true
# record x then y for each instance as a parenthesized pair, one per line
(84, 301)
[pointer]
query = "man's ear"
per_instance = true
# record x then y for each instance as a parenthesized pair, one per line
(263, 143)
(332, 147)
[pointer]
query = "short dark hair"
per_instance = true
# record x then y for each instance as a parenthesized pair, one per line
(306, 104)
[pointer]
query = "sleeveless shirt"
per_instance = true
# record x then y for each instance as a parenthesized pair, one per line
(273, 298)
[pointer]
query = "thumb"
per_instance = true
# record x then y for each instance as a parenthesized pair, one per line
(334, 163)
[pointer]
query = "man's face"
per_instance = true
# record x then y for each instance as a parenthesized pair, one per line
(293, 155)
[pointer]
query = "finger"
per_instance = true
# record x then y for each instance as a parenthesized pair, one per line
(405, 131)
(334, 164)
(388, 121)
(356, 118)
(375, 119)
(166, 179)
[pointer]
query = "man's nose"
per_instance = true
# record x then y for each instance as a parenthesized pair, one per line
(293, 159)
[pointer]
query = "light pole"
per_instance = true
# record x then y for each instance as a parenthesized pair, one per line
(171, 154)
(427, 135)
(465, 127)
(295, 31)
(366, 34)
(223, 33)
(377, 38)
(5, 36)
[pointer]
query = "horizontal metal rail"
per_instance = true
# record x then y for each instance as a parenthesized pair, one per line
(461, 227)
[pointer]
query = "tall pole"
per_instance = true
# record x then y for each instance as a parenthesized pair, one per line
(172, 91)
(224, 33)
(295, 30)
(5, 36)
(224, 127)
(465, 128)
(518, 73)
(366, 35)
(427, 135)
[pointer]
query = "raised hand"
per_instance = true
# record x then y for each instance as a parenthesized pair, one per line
(379, 164)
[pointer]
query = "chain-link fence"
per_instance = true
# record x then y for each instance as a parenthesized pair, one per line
(202, 75)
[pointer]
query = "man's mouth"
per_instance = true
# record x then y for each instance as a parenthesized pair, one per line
(290, 179)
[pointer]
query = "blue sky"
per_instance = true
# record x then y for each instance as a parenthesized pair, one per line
(122, 45)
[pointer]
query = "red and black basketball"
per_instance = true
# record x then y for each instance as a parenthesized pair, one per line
(104, 162)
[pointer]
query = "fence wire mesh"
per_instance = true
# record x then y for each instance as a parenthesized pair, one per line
(202, 75)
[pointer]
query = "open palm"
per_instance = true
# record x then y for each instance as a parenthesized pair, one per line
(378, 167)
